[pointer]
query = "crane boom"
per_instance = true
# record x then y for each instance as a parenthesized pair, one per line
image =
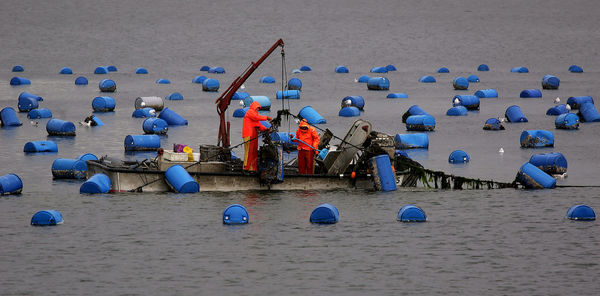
(225, 99)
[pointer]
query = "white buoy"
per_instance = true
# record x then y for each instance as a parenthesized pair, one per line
(34, 123)
(84, 123)
(456, 101)
(242, 87)
(568, 107)
(348, 103)
(501, 150)
(241, 103)
(557, 100)
(355, 80)
(501, 119)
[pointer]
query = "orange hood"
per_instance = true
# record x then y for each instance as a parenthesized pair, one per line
(303, 123)
(255, 106)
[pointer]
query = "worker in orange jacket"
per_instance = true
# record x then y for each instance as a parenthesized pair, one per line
(250, 128)
(306, 154)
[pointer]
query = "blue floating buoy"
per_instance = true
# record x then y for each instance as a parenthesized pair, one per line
(470, 102)
(156, 103)
(155, 126)
(144, 112)
(95, 121)
(420, 123)
(47, 218)
(427, 79)
(264, 101)
(557, 110)
(581, 212)
(171, 117)
(493, 124)
(87, 156)
(413, 110)
(291, 94)
(296, 71)
(81, 81)
(325, 214)
(65, 70)
(216, 70)
(199, 79)
(483, 67)
(295, 84)
(65, 168)
(8, 117)
(411, 141)
(205, 68)
(58, 127)
(567, 121)
(532, 177)
(240, 95)
(459, 156)
(378, 83)
(460, 83)
(103, 104)
(356, 101)
(101, 70)
(397, 96)
(311, 115)
(107, 85)
(241, 112)
(28, 102)
(180, 180)
(588, 113)
(443, 70)
(473, 78)
(487, 93)
(411, 213)
(283, 137)
(576, 102)
(141, 142)
(341, 69)
(174, 97)
(163, 81)
(514, 114)
(305, 68)
(40, 146)
(519, 70)
(531, 93)
(379, 70)
(111, 68)
(98, 183)
(383, 174)
(19, 81)
(349, 112)
(141, 71)
(10, 184)
(363, 79)
(550, 82)
(235, 214)
(210, 84)
(572, 69)
(267, 79)
(457, 111)
(537, 139)
(18, 68)
(390, 68)
(552, 163)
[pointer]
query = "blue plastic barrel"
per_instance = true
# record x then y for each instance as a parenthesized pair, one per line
(295, 84)
(8, 117)
(588, 113)
(10, 184)
(267, 79)
(163, 81)
(576, 102)
(180, 180)
(411, 213)
(379, 70)
(305, 68)
(216, 70)
(487, 93)
(341, 69)
(550, 82)
(581, 212)
(171, 117)
(101, 70)
(443, 70)
(470, 102)
(204, 68)
(397, 96)
(111, 68)
(460, 83)
(81, 81)
(325, 214)
(235, 214)
(413, 110)
(107, 85)
(483, 67)
(155, 126)
(210, 84)
(493, 124)
(47, 218)
(551, 163)
(420, 123)
(384, 177)
(174, 97)
(141, 70)
(411, 141)
(514, 114)
(537, 139)
(19, 81)
(567, 121)
(141, 142)
(288, 94)
(66, 71)
(457, 111)
(473, 78)
(199, 79)
(519, 70)
(240, 95)
(144, 112)
(98, 183)
(241, 112)
(427, 79)
(28, 101)
(363, 79)
(459, 156)
(557, 110)
(66, 168)
(533, 178)
(40, 146)
(18, 68)
(311, 115)
(575, 69)
(103, 104)
(87, 156)
(96, 121)
(356, 101)
(282, 137)
(264, 101)
(390, 68)
(58, 127)
(531, 93)
(378, 83)
(349, 112)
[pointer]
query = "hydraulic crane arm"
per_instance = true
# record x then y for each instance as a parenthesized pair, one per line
(225, 99)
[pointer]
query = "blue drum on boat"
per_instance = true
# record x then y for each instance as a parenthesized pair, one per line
(65, 168)
(171, 117)
(420, 123)
(514, 114)
(10, 184)
(384, 177)
(567, 121)
(142, 142)
(325, 214)
(40, 146)
(8, 117)
(291, 94)
(103, 104)
(552, 163)
(180, 180)
(155, 126)
(47, 218)
(311, 115)
(58, 127)
(533, 178)
(537, 139)
(411, 141)
(235, 214)
(98, 183)
(39, 113)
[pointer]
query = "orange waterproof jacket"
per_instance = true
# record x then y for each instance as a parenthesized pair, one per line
(310, 136)
(252, 121)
